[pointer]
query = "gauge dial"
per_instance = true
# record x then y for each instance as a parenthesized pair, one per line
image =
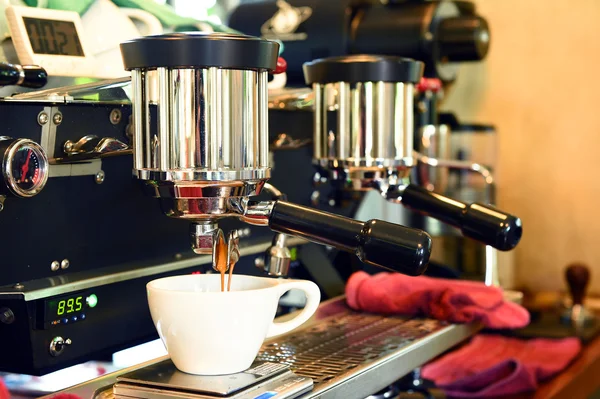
(25, 168)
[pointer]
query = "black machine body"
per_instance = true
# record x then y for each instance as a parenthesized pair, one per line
(91, 231)
(440, 33)
(92, 236)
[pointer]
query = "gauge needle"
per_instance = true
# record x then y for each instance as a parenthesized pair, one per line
(25, 167)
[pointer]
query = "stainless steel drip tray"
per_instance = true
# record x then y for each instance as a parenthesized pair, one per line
(346, 354)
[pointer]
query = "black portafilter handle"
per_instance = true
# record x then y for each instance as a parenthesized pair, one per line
(31, 76)
(482, 223)
(378, 243)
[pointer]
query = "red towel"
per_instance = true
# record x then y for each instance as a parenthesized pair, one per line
(455, 301)
(493, 365)
(4, 394)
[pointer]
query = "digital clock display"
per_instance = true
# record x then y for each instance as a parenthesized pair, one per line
(54, 37)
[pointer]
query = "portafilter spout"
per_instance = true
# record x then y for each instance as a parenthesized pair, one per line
(200, 145)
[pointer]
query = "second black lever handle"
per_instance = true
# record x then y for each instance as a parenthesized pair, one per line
(479, 222)
(31, 76)
(402, 249)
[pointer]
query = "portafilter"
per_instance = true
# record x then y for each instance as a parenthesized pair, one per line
(363, 140)
(200, 146)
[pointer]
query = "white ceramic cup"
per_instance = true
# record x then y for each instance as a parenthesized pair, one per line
(209, 332)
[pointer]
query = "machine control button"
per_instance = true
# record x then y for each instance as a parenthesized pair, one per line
(58, 344)
(7, 316)
(91, 301)
(82, 316)
(74, 318)
(65, 320)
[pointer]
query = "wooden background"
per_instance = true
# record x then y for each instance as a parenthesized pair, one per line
(540, 86)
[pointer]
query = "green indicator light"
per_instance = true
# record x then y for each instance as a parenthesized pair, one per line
(293, 254)
(92, 301)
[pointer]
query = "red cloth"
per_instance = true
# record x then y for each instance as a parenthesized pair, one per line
(4, 394)
(455, 301)
(493, 365)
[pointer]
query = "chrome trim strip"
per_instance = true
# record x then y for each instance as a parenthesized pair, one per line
(21, 74)
(100, 279)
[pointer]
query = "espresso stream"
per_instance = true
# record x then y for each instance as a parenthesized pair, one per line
(221, 264)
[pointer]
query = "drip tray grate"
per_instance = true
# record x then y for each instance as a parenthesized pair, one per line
(336, 347)
(348, 355)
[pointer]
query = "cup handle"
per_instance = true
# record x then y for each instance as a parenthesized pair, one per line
(313, 298)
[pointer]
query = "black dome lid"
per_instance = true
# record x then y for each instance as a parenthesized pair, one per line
(199, 50)
(363, 68)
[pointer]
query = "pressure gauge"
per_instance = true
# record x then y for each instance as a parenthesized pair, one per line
(24, 167)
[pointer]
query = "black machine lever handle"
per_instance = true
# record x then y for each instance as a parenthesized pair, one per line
(398, 248)
(477, 221)
(31, 76)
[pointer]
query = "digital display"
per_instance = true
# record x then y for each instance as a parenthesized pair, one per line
(49, 36)
(61, 307)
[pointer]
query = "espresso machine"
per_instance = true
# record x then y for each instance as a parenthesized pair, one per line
(443, 35)
(193, 122)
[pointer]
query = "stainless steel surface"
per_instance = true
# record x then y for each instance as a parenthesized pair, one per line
(373, 125)
(57, 118)
(480, 169)
(42, 118)
(233, 248)
(91, 147)
(48, 135)
(100, 176)
(76, 93)
(433, 141)
(256, 213)
(7, 169)
(203, 200)
(285, 386)
(48, 140)
(58, 345)
(54, 266)
(165, 374)
(21, 74)
(348, 354)
(287, 142)
(115, 116)
(7, 316)
(273, 191)
(76, 281)
(578, 316)
(211, 125)
(202, 237)
(277, 259)
(292, 99)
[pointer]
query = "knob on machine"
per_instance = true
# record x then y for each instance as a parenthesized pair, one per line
(24, 167)
(58, 344)
(207, 152)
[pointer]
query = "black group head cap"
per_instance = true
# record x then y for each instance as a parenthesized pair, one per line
(363, 68)
(200, 50)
